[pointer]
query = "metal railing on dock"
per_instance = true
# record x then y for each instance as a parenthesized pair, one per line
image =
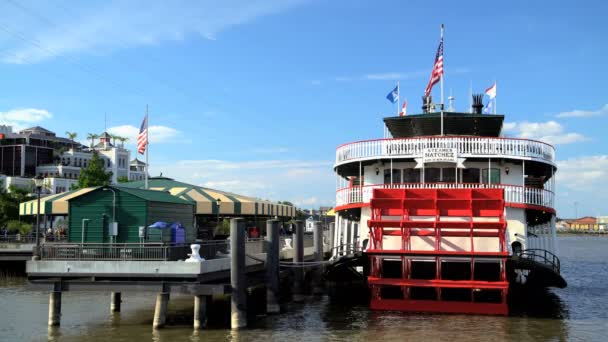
(148, 251)
(114, 251)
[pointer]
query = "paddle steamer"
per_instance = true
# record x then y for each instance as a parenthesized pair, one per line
(449, 214)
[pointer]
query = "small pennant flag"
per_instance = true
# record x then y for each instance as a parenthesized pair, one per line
(491, 92)
(393, 95)
(404, 108)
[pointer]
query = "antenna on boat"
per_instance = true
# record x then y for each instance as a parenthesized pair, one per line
(451, 99)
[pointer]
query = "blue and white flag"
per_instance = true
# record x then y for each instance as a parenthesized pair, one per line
(393, 95)
(488, 109)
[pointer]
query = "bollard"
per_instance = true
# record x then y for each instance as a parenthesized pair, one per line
(238, 300)
(115, 300)
(298, 257)
(54, 308)
(201, 305)
(272, 266)
(317, 285)
(160, 311)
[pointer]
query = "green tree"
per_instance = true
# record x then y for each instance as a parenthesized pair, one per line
(123, 179)
(71, 136)
(92, 137)
(9, 203)
(94, 174)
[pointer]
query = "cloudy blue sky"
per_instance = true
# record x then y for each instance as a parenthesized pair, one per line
(254, 96)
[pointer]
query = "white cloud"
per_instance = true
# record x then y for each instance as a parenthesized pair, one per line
(158, 134)
(550, 132)
(279, 180)
(21, 118)
(583, 173)
(270, 150)
(102, 27)
(584, 113)
(391, 76)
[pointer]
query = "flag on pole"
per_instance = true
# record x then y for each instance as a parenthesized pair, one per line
(437, 69)
(488, 108)
(404, 108)
(393, 95)
(491, 92)
(142, 137)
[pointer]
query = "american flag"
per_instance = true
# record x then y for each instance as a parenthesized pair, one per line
(142, 137)
(437, 69)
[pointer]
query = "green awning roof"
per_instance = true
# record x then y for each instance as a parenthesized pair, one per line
(168, 190)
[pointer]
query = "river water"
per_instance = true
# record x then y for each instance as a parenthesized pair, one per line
(577, 313)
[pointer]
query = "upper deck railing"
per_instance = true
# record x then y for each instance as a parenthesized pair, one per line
(467, 146)
(515, 194)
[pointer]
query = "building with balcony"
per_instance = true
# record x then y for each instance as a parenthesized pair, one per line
(38, 151)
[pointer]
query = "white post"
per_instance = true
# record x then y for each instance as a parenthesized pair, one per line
(398, 99)
(441, 79)
(147, 150)
(495, 88)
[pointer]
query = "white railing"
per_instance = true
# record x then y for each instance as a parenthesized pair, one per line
(513, 193)
(466, 147)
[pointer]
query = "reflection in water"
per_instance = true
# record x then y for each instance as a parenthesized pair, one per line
(575, 313)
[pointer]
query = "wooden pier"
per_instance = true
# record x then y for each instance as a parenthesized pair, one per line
(228, 269)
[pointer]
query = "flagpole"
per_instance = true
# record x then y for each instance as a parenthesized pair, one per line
(147, 149)
(495, 89)
(442, 83)
(398, 93)
(442, 72)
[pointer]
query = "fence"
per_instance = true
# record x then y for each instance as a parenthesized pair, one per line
(466, 147)
(148, 251)
(513, 193)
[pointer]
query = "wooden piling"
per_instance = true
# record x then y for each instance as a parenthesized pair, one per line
(272, 266)
(115, 300)
(298, 257)
(317, 274)
(55, 308)
(238, 300)
(160, 311)
(201, 304)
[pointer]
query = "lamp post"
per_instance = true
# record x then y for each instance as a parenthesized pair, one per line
(217, 225)
(38, 182)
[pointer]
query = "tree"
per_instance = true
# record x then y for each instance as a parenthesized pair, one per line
(123, 179)
(114, 138)
(92, 137)
(122, 141)
(94, 174)
(9, 203)
(71, 136)
(286, 203)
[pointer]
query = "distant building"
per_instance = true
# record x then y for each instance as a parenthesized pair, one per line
(37, 151)
(587, 223)
(602, 221)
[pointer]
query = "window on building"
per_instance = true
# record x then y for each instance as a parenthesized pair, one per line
(411, 175)
(470, 175)
(448, 175)
(396, 176)
(494, 176)
(432, 175)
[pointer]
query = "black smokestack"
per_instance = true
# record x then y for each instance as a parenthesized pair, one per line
(477, 103)
(426, 103)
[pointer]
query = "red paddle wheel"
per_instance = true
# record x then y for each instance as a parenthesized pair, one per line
(438, 250)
